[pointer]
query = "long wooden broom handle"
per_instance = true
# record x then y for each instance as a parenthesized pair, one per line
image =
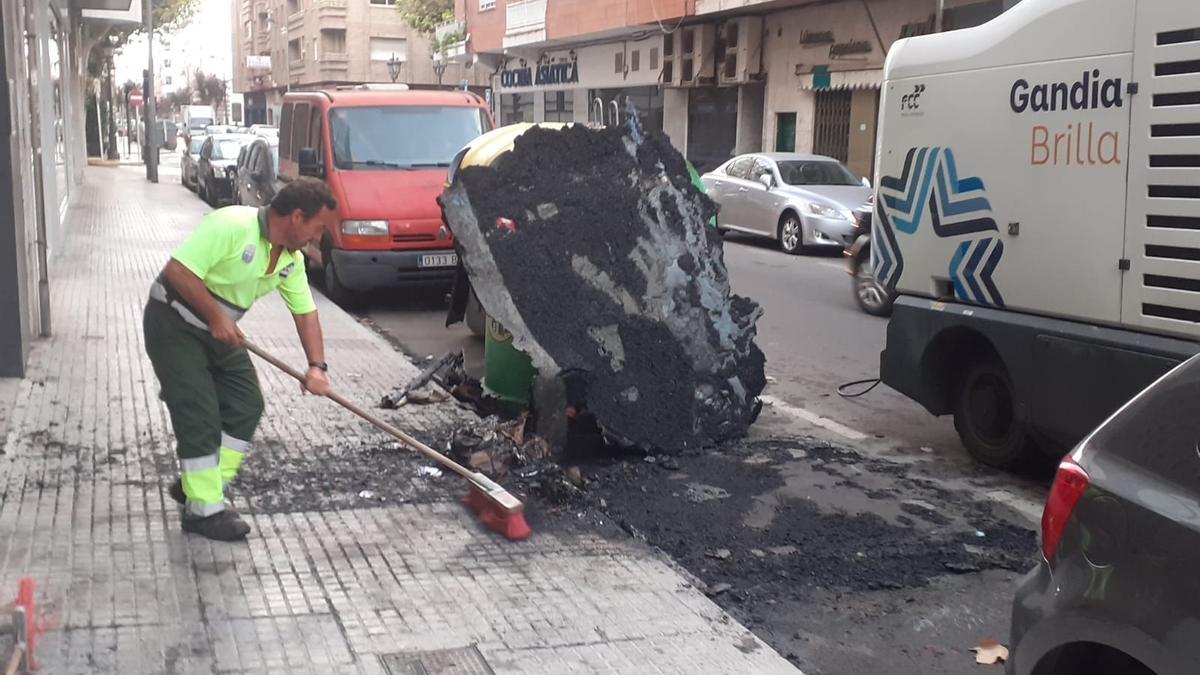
(403, 437)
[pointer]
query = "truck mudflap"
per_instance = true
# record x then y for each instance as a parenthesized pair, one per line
(1067, 376)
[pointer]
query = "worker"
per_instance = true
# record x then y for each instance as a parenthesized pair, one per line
(237, 255)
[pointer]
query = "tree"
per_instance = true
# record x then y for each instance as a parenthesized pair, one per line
(210, 89)
(426, 15)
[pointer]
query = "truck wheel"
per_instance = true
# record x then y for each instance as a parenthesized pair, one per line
(986, 421)
(873, 298)
(335, 291)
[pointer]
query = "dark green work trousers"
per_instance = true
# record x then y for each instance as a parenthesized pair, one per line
(212, 393)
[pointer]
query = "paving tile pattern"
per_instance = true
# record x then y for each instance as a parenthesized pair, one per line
(329, 581)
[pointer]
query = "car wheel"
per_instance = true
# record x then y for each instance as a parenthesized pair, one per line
(791, 234)
(985, 417)
(873, 298)
(335, 291)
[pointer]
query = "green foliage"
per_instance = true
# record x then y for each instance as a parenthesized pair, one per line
(426, 15)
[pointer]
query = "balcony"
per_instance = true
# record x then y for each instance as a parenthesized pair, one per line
(526, 22)
(331, 10)
(334, 61)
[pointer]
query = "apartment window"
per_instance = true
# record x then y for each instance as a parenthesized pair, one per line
(294, 6)
(383, 2)
(560, 106)
(249, 30)
(619, 62)
(167, 80)
(485, 5)
(333, 40)
(654, 57)
(295, 50)
(264, 21)
(635, 60)
(166, 63)
(382, 49)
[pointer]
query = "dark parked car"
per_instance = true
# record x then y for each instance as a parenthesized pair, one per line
(1117, 591)
(189, 159)
(217, 166)
(257, 174)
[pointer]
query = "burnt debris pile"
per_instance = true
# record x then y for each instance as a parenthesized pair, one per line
(594, 251)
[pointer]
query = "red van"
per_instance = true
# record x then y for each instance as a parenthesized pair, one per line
(384, 151)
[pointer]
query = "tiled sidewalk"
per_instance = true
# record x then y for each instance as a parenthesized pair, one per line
(328, 582)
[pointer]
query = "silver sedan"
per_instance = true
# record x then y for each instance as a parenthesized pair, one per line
(801, 201)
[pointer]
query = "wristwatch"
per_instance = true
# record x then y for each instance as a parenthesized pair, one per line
(319, 364)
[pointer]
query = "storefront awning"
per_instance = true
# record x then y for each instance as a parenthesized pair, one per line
(843, 79)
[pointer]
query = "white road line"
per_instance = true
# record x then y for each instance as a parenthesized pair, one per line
(813, 418)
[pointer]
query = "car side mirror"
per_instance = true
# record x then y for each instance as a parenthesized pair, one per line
(309, 166)
(767, 180)
(866, 183)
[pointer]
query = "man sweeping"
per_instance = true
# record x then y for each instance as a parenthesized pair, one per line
(237, 255)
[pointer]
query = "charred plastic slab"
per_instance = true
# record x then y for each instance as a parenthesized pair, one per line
(594, 252)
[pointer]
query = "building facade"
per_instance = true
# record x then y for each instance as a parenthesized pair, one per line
(720, 77)
(44, 46)
(280, 45)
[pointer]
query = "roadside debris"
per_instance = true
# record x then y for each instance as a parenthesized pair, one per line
(446, 371)
(990, 653)
(592, 248)
(429, 472)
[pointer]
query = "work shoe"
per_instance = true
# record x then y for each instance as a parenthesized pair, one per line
(176, 492)
(222, 526)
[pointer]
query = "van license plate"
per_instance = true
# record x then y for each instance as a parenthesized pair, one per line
(439, 260)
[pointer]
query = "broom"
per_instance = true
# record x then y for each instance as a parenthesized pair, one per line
(495, 506)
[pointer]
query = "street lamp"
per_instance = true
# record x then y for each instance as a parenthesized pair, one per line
(393, 65)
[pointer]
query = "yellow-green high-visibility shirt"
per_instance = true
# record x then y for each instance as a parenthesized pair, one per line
(230, 252)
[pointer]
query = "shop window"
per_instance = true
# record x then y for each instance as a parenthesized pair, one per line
(648, 101)
(516, 108)
(560, 106)
(831, 129)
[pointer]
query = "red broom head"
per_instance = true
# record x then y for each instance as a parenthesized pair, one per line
(511, 525)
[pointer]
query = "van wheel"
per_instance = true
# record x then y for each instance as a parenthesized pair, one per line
(474, 316)
(986, 420)
(873, 298)
(335, 291)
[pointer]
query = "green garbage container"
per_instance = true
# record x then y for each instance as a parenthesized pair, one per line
(507, 372)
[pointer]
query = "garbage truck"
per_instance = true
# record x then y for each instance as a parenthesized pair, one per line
(1038, 216)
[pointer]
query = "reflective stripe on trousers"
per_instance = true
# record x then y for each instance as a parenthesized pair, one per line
(202, 484)
(233, 451)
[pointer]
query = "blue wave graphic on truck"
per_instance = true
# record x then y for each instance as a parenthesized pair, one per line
(958, 207)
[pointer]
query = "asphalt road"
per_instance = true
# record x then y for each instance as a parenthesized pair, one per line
(889, 575)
